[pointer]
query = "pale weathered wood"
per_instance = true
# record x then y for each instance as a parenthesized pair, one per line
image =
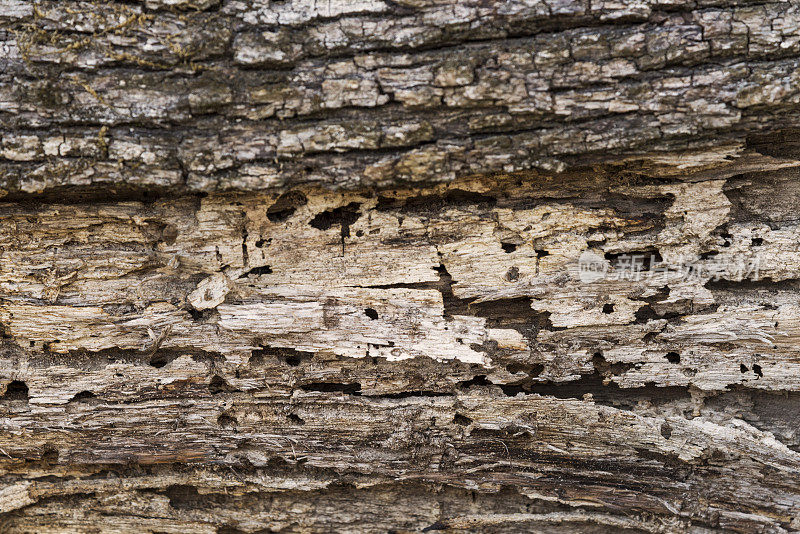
(317, 266)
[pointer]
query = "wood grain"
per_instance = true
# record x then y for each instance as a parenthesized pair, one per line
(320, 266)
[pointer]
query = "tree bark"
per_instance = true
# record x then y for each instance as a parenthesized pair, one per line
(360, 266)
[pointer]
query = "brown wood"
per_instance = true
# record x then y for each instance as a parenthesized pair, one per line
(294, 266)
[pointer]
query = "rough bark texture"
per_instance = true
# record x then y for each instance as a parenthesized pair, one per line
(300, 266)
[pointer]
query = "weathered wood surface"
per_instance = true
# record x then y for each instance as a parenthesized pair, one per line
(316, 266)
(208, 95)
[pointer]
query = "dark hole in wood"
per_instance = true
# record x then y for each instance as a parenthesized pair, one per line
(218, 385)
(16, 390)
(82, 396)
(265, 269)
(343, 216)
(462, 420)
(293, 361)
(184, 497)
(333, 387)
(296, 419)
(285, 206)
(513, 274)
(159, 360)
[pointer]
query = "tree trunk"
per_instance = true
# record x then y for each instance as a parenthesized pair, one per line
(411, 265)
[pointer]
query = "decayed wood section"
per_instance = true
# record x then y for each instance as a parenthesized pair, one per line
(299, 266)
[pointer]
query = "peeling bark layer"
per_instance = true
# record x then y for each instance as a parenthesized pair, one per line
(311, 267)
(205, 96)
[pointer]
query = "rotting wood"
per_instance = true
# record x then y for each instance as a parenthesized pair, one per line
(311, 267)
